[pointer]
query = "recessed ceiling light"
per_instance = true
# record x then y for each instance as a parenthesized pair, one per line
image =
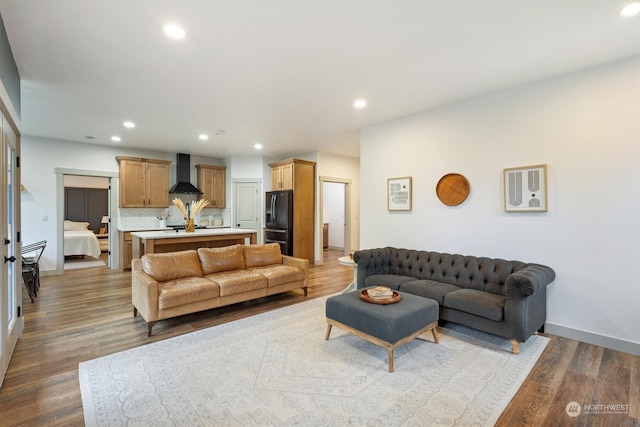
(203, 137)
(174, 31)
(630, 9)
(258, 146)
(115, 138)
(360, 103)
(129, 125)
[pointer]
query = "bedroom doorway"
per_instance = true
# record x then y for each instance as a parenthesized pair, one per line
(86, 203)
(74, 178)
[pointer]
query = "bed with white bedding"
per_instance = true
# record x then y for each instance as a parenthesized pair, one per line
(78, 240)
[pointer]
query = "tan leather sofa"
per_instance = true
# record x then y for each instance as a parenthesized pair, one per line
(175, 283)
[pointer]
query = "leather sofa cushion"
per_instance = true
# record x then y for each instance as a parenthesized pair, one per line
(172, 265)
(259, 255)
(278, 274)
(429, 289)
(480, 303)
(226, 258)
(178, 292)
(238, 281)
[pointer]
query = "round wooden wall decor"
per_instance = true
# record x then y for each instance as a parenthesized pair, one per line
(452, 189)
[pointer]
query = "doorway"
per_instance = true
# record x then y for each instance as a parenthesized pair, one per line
(86, 201)
(111, 225)
(335, 212)
(333, 215)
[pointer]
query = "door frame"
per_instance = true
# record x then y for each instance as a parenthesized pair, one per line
(9, 334)
(347, 215)
(114, 183)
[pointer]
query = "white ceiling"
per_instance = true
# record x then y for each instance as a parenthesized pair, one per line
(285, 73)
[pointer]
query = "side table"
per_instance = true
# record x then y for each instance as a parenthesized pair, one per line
(347, 261)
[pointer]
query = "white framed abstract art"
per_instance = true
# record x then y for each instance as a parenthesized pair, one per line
(525, 189)
(399, 194)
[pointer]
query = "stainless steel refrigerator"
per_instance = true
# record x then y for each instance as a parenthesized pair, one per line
(279, 219)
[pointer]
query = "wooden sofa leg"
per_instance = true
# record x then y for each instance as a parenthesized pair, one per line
(515, 347)
(149, 327)
(305, 291)
(135, 311)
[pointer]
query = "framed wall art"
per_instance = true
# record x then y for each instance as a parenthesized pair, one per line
(399, 194)
(525, 189)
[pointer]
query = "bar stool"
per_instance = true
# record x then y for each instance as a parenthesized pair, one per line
(33, 261)
(29, 279)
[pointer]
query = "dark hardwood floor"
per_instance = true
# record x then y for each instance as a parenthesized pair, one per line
(85, 314)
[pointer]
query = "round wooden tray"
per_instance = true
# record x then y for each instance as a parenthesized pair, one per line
(452, 189)
(365, 297)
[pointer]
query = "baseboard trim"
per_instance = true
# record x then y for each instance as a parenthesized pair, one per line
(595, 339)
(45, 273)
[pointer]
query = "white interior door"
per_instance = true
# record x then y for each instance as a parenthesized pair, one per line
(247, 205)
(11, 322)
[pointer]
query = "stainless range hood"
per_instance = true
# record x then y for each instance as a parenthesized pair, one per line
(183, 176)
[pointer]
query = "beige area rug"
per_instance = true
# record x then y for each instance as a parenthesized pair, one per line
(73, 264)
(276, 369)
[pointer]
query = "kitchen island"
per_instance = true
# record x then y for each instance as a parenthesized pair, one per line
(149, 242)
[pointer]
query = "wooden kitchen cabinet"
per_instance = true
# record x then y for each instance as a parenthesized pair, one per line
(325, 235)
(299, 176)
(126, 249)
(144, 183)
(212, 182)
(282, 175)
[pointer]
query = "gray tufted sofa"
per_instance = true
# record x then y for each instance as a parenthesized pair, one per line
(504, 298)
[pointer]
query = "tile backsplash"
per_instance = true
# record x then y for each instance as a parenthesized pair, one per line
(145, 218)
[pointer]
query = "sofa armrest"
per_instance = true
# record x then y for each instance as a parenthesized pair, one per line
(144, 294)
(370, 262)
(528, 281)
(300, 263)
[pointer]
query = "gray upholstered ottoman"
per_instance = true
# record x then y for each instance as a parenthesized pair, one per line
(386, 325)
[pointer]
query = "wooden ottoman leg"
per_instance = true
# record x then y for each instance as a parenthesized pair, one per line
(434, 331)
(390, 355)
(326, 337)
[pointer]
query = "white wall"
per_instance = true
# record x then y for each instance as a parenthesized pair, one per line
(246, 166)
(86, 181)
(586, 127)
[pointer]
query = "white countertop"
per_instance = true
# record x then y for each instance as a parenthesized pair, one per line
(169, 234)
(162, 228)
